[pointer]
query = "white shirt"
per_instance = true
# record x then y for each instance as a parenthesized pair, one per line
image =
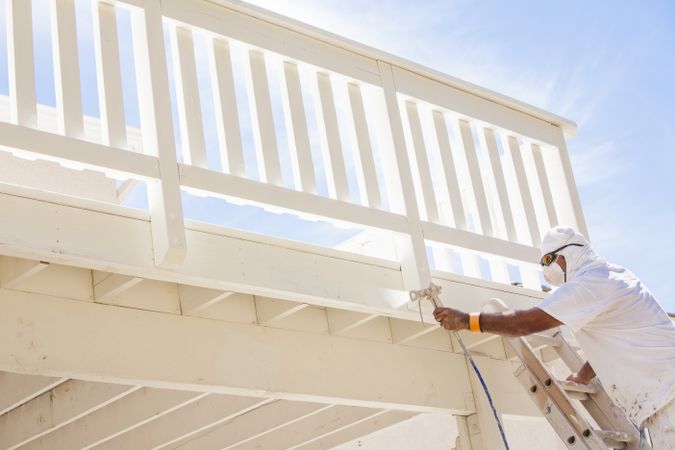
(627, 337)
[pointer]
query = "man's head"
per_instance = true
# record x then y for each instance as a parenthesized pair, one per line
(561, 248)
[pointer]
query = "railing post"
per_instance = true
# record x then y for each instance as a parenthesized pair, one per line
(565, 189)
(168, 225)
(410, 247)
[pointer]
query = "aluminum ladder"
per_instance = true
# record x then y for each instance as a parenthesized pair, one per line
(583, 415)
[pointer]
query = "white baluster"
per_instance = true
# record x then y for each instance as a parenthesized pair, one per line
(296, 126)
(422, 160)
(109, 78)
(66, 69)
(225, 107)
(331, 146)
(187, 98)
(449, 171)
(264, 134)
(365, 163)
(476, 177)
(20, 65)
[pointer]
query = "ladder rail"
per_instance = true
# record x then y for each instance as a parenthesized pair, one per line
(556, 406)
(562, 402)
(601, 407)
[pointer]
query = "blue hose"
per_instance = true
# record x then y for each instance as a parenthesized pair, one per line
(485, 388)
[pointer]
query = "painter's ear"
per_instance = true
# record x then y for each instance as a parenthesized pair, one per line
(561, 262)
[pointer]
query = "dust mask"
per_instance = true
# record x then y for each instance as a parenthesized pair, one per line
(554, 274)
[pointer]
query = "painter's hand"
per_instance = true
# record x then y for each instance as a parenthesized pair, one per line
(452, 319)
(579, 378)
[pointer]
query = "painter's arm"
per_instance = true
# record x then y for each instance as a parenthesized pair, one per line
(511, 323)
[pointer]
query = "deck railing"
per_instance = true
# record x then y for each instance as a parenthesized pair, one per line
(331, 130)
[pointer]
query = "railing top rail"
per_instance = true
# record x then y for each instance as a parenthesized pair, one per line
(568, 127)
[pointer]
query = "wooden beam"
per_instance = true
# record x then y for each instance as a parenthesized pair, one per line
(270, 310)
(226, 186)
(134, 410)
(185, 422)
(363, 427)
(194, 299)
(482, 339)
(52, 410)
(311, 427)
(271, 362)
(405, 331)
(14, 271)
(255, 424)
(52, 147)
(114, 285)
(302, 273)
(341, 321)
(18, 389)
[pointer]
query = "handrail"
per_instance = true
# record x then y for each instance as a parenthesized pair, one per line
(388, 145)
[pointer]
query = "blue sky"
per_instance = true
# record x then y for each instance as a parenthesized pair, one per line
(608, 66)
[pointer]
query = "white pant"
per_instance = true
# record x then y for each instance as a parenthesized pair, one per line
(661, 426)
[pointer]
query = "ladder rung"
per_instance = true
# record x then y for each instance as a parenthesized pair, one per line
(614, 439)
(537, 340)
(570, 386)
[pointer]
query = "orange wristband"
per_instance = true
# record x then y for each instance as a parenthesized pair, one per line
(474, 322)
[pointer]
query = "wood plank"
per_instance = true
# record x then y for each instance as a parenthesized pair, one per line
(406, 331)
(329, 134)
(108, 76)
(299, 365)
(422, 160)
(20, 65)
(524, 187)
(500, 182)
(476, 178)
(187, 98)
(227, 115)
(271, 310)
(341, 321)
(66, 69)
(357, 429)
(311, 427)
(375, 285)
(302, 164)
(14, 271)
(55, 409)
(191, 419)
(164, 197)
(264, 134)
(87, 155)
(365, 164)
(449, 171)
(134, 410)
(194, 299)
(113, 285)
(479, 242)
(255, 424)
(544, 183)
(254, 192)
(18, 389)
